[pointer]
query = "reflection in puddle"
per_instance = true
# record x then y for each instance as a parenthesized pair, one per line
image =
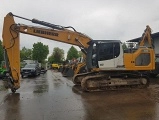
(12, 106)
(40, 89)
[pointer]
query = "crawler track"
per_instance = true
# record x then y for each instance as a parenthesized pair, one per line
(102, 81)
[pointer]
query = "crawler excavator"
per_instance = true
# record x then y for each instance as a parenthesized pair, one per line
(108, 66)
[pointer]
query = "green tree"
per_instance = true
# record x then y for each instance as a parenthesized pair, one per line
(57, 55)
(1, 52)
(51, 59)
(25, 54)
(72, 53)
(40, 52)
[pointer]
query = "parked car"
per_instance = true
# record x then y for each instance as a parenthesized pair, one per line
(31, 69)
(43, 70)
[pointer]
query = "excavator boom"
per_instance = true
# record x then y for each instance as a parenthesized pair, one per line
(11, 42)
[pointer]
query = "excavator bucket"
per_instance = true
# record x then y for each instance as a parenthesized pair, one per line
(68, 72)
(60, 69)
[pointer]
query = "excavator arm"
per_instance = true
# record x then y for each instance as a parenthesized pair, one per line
(146, 37)
(11, 47)
(11, 42)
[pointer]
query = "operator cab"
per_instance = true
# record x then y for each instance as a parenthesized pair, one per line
(105, 54)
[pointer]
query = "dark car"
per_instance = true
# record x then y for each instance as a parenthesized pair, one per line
(30, 70)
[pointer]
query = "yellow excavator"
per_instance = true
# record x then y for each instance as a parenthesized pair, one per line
(109, 67)
(74, 68)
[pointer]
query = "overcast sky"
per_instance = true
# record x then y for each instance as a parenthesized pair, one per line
(100, 19)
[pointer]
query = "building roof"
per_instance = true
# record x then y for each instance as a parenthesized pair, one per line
(154, 35)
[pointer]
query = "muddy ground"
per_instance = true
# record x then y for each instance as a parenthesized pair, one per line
(53, 97)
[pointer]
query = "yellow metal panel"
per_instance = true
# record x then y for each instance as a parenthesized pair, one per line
(11, 43)
(130, 58)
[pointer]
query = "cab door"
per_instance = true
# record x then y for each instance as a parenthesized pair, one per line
(108, 55)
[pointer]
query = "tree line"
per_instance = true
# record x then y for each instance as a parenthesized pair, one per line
(40, 53)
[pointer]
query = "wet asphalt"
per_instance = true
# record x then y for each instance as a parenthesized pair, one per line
(53, 97)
